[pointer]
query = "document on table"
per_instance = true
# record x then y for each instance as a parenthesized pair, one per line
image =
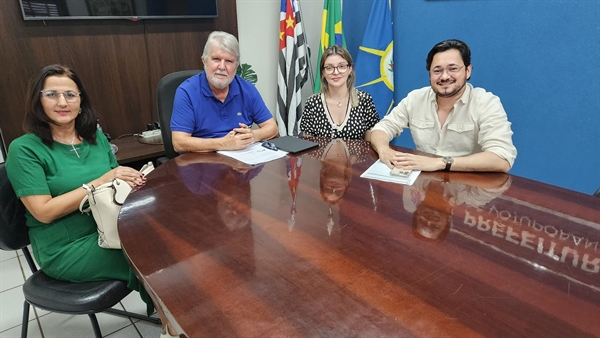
(254, 154)
(381, 172)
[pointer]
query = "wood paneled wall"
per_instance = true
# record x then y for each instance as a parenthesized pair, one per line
(120, 62)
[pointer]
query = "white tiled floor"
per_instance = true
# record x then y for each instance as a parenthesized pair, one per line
(43, 324)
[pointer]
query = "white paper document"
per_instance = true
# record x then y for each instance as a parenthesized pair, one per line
(381, 172)
(254, 154)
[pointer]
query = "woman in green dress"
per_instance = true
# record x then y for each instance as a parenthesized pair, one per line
(61, 150)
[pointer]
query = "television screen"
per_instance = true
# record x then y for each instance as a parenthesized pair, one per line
(117, 9)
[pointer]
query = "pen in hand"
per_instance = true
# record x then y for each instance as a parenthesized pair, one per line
(244, 132)
(242, 129)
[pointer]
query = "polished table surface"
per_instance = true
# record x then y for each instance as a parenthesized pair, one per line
(305, 247)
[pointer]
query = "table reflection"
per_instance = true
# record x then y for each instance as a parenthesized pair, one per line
(293, 169)
(433, 196)
(222, 191)
(337, 157)
(224, 179)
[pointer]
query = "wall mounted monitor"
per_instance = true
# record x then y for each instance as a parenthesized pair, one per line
(117, 9)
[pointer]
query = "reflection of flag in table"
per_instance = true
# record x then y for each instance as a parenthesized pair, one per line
(331, 33)
(293, 167)
(293, 64)
(375, 63)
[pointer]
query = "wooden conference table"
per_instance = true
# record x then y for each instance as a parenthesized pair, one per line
(304, 247)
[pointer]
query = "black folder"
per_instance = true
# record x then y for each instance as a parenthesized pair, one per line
(293, 144)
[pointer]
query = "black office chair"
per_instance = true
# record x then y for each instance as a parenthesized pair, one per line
(165, 95)
(48, 293)
(2, 148)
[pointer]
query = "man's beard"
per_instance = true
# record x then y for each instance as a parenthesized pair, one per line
(452, 93)
(217, 83)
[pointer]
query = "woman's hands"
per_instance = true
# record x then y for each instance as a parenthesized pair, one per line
(133, 177)
(46, 208)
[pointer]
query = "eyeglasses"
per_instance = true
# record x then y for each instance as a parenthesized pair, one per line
(53, 95)
(452, 70)
(341, 69)
(335, 191)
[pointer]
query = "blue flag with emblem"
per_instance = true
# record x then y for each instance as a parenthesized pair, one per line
(375, 62)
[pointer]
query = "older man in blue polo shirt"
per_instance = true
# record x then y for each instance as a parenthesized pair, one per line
(214, 109)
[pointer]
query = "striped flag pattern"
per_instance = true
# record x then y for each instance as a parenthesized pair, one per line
(293, 68)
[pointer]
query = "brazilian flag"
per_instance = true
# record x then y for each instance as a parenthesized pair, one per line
(331, 33)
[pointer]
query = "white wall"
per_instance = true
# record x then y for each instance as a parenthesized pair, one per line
(258, 29)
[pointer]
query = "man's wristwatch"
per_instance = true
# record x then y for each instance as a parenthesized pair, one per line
(448, 160)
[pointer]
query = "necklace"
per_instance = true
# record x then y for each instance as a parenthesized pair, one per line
(72, 144)
(334, 124)
(339, 103)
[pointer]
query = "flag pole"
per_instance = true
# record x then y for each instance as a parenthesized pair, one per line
(311, 75)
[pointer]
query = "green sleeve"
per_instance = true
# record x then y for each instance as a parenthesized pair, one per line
(25, 169)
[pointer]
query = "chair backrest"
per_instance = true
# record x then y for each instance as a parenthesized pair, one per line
(14, 234)
(2, 148)
(164, 97)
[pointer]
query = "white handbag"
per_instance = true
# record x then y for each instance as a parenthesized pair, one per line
(105, 203)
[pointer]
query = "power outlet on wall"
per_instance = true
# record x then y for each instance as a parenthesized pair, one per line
(151, 133)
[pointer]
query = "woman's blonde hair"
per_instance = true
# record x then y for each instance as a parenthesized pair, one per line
(343, 52)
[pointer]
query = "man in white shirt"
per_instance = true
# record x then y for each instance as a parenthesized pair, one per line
(466, 126)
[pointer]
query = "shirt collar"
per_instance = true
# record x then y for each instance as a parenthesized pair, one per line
(464, 98)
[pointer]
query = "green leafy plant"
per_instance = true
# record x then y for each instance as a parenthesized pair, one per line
(245, 71)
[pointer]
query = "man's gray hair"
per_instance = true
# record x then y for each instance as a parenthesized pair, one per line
(222, 40)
